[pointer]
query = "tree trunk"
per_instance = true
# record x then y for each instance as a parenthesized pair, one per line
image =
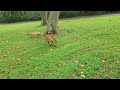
(55, 19)
(49, 23)
(44, 17)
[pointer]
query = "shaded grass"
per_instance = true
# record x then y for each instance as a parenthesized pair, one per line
(80, 42)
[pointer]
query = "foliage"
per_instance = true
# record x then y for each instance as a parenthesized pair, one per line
(27, 16)
(20, 16)
(67, 14)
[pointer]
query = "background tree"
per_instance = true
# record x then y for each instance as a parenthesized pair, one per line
(44, 17)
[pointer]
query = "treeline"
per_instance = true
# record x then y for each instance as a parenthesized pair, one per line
(20, 16)
(67, 14)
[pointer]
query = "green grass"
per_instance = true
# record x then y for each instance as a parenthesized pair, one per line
(86, 42)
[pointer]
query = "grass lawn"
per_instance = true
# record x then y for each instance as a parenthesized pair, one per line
(87, 48)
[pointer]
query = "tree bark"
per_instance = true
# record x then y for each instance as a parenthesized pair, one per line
(49, 23)
(55, 19)
(44, 17)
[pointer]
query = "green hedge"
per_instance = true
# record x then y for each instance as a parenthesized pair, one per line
(67, 14)
(36, 15)
(28, 16)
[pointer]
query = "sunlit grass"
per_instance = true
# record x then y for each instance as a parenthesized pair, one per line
(82, 46)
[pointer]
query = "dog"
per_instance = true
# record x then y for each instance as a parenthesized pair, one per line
(50, 38)
(33, 34)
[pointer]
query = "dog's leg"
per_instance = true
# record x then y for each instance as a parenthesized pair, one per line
(54, 43)
(49, 43)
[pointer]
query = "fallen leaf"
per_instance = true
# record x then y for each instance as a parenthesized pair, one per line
(117, 61)
(83, 76)
(5, 55)
(18, 58)
(76, 61)
(31, 57)
(82, 65)
(81, 72)
(103, 61)
(35, 68)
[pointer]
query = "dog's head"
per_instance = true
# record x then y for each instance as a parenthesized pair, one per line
(49, 32)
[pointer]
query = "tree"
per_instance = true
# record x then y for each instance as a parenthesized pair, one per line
(53, 21)
(49, 23)
(44, 17)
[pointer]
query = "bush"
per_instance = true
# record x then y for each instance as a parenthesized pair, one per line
(28, 16)
(36, 15)
(67, 14)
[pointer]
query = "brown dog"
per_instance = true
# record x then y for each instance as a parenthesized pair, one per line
(33, 34)
(50, 38)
